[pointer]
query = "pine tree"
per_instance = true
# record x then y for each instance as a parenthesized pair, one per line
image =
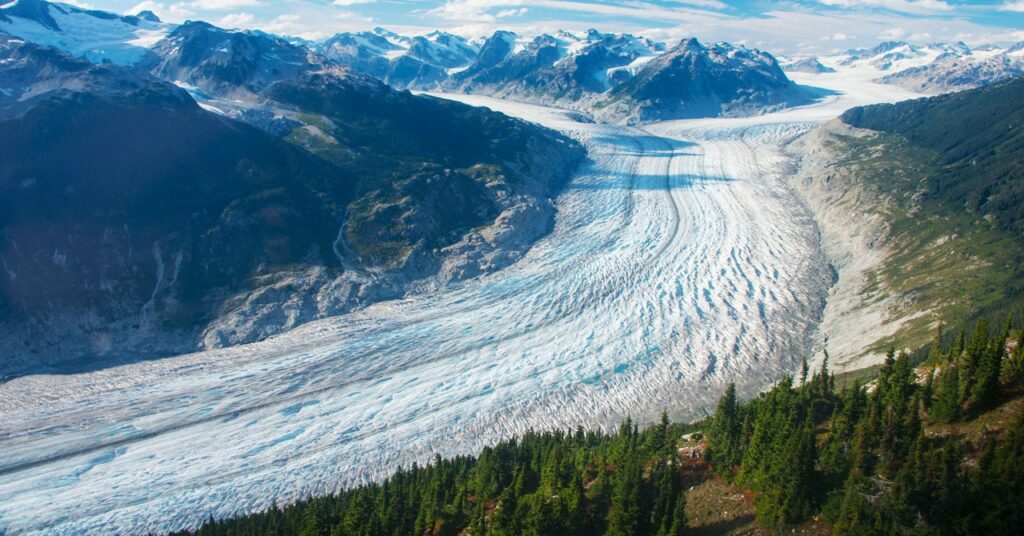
(946, 405)
(314, 522)
(929, 389)
(724, 434)
(679, 521)
(971, 359)
(1013, 368)
(990, 364)
(624, 519)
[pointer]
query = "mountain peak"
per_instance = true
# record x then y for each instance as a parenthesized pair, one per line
(691, 44)
(146, 14)
(35, 10)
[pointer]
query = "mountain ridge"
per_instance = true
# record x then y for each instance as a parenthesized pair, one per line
(337, 197)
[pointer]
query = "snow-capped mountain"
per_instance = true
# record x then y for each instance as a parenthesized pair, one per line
(935, 68)
(805, 65)
(956, 72)
(562, 69)
(574, 70)
(893, 56)
(32, 72)
(404, 62)
(693, 80)
(365, 52)
(223, 62)
(97, 35)
(443, 49)
(164, 226)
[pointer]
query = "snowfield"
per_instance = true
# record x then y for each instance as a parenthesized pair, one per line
(679, 262)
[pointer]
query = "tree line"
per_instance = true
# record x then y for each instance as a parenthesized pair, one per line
(861, 457)
(857, 457)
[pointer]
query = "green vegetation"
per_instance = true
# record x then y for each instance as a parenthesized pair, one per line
(936, 449)
(542, 483)
(426, 170)
(950, 173)
(876, 460)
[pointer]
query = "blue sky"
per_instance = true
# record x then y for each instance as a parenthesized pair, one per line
(785, 27)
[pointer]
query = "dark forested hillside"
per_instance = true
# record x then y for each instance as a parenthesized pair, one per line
(134, 217)
(937, 449)
(943, 178)
(978, 139)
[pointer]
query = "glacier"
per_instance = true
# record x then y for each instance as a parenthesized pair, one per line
(679, 262)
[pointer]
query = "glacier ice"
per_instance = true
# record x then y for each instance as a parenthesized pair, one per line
(678, 262)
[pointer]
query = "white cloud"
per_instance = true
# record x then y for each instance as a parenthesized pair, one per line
(170, 12)
(222, 5)
(79, 4)
(236, 20)
(893, 34)
(795, 26)
(1017, 6)
(902, 6)
(702, 3)
(505, 13)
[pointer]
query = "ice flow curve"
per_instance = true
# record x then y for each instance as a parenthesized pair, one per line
(678, 262)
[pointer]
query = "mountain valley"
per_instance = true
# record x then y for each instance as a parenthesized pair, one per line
(469, 280)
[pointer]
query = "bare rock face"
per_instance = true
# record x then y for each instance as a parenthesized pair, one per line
(854, 235)
(693, 80)
(807, 65)
(165, 227)
(953, 73)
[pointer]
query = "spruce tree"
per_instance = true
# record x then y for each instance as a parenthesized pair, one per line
(625, 515)
(679, 522)
(946, 405)
(724, 434)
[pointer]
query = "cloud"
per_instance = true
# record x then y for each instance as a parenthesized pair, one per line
(172, 12)
(511, 13)
(838, 36)
(180, 11)
(902, 6)
(1017, 6)
(702, 3)
(483, 10)
(236, 20)
(815, 26)
(893, 34)
(79, 4)
(222, 5)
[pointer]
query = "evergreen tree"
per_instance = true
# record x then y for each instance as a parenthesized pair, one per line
(946, 405)
(990, 364)
(625, 516)
(724, 447)
(678, 526)
(1013, 368)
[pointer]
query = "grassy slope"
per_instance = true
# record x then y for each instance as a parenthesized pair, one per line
(953, 187)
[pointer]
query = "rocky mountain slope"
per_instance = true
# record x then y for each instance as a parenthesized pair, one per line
(806, 65)
(936, 68)
(955, 73)
(693, 80)
(97, 35)
(921, 221)
(564, 69)
(166, 226)
(404, 62)
(574, 70)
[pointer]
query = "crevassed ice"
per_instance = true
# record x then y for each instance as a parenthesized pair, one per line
(678, 262)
